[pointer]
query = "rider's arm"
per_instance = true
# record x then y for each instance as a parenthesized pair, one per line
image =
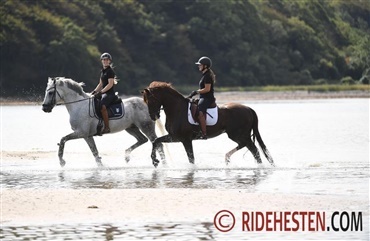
(98, 87)
(108, 86)
(206, 89)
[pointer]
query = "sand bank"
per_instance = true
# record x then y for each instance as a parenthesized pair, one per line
(152, 205)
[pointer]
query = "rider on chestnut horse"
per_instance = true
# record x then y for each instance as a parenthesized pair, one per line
(205, 91)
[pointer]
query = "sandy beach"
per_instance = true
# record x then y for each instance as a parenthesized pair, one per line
(151, 205)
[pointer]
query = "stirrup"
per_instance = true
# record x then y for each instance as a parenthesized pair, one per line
(99, 130)
(105, 130)
(201, 136)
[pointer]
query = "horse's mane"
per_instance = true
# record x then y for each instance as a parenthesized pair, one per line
(163, 85)
(160, 84)
(70, 83)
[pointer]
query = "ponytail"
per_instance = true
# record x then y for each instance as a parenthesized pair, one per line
(213, 76)
(116, 80)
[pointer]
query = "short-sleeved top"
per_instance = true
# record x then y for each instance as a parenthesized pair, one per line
(206, 79)
(106, 74)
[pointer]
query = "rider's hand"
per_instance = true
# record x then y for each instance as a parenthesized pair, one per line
(97, 94)
(193, 93)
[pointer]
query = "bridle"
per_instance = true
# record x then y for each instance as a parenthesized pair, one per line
(154, 113)
(54, 100)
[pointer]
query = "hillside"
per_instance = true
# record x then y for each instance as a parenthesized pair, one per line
(252, 43)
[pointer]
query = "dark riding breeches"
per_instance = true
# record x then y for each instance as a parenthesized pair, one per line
(107, 100)
(204, 103)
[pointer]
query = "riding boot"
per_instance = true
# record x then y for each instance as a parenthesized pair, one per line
(203, 128)
(104, 114)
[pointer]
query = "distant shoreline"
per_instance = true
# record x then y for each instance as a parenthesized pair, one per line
(289, 95)
(229, 96)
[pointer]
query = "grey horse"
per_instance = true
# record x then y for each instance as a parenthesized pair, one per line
(136, 121)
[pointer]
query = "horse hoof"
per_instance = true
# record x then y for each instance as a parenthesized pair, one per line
(155, 163)
(62, 163)
(127, 156)
(98, 161)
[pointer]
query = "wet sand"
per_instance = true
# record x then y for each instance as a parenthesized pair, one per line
(151, 205)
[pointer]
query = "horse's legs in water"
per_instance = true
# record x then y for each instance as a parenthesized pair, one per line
(141, 139)
(157, 143)
(188, 145)
(228, 155)
(148, 129)
(71, 136)
(252, 147)
(90, 141)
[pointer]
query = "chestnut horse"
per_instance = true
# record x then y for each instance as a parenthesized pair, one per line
(236, 120)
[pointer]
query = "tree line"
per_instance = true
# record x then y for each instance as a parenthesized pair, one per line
(251, 42)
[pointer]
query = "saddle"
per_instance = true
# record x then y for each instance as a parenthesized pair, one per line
(193, 112)
(115, 111)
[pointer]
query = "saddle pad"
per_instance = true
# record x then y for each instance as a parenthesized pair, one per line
(115, 111)
(212, 116)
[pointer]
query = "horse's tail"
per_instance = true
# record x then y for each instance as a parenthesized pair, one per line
(256, 134)
(165, 148)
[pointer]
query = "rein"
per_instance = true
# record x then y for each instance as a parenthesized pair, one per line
(71, 102)
(65, 103)
(156, 100)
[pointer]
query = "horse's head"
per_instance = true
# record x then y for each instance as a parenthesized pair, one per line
(50, 95)
(153, 102)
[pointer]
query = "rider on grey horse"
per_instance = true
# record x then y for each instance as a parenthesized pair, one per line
(106, 89)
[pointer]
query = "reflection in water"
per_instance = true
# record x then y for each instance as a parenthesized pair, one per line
(156, 231)
(136, 178)
(192, 178)
(312, 180)
(253, 179)
(132, 231)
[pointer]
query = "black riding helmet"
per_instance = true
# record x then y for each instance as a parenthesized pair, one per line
(205, 61)
(106, 56)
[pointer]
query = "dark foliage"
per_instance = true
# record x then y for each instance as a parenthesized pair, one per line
(255, 42)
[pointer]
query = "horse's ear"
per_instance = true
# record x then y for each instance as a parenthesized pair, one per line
(144, 91)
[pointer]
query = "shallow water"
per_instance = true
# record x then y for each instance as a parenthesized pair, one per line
(321, 147)
(152, 231)
(310, 180)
